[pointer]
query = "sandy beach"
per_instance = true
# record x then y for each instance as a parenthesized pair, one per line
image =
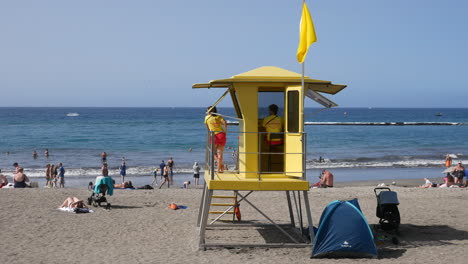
(141, 229)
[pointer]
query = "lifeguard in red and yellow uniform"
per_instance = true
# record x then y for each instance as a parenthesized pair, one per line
(273, 124)
(218, 125)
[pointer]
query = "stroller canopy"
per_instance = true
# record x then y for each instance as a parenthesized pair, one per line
(344, 232)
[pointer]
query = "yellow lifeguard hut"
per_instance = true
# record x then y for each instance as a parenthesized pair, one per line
(261, 166)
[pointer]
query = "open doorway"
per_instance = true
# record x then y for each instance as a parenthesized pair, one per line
(271, 128)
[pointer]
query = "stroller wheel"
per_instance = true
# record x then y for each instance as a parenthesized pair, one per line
(108, 206)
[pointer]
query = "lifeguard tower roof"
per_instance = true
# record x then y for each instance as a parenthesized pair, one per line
(277, 75)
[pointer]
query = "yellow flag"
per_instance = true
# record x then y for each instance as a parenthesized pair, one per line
(306, 34)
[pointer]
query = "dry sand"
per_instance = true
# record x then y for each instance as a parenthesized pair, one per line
(141, 229)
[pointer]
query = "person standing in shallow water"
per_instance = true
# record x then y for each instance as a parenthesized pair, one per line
(103, 157)
(104, 170)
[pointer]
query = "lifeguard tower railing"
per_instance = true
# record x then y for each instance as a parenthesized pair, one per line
(234, 153)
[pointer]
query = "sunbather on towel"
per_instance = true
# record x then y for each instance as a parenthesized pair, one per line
(124, 185)
(73, 202)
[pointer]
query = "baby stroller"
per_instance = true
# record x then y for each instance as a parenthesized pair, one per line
(387, 208)
(97, 199)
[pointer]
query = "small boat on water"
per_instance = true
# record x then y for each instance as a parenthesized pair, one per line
(73, 114)
(438, 114)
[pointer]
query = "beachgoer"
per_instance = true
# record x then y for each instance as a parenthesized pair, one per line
(186, 184)
(273, 124)
(217, 125)
(104, 157)
(73, 202)
(196, 173)
(170, 163)
(124, 185)
(17, 167)
(155, 177)
(3, 180)
(104, 170)
(123, 171)
(90, 186)
(427, 184)
(61, 175)
(46, 153)
(34, 155)
(326, 181)
(47, 175)
(53, 177)
(162, 165)
(166, 177)
(448, 181)
(448, 161)
(459, 173)
(20, 179)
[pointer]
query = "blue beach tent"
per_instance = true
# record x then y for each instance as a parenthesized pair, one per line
(344, 232)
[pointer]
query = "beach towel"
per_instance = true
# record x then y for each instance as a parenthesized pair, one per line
(105, 180)
(75, 210)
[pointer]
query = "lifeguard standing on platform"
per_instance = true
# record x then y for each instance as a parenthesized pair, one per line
(216, 123)
(274, 126)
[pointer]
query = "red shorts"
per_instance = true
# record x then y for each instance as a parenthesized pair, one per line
(220, 139)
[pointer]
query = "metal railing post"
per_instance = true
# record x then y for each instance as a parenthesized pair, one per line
(212, 154)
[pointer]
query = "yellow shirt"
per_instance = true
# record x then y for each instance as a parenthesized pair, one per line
(273, 124)
(215, 123)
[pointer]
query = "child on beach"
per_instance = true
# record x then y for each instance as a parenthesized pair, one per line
(186, 185)
(155, 177)
(123, 171)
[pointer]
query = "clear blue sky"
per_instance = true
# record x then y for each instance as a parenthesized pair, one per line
(395, 53)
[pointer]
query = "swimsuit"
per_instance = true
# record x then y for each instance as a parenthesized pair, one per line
(21, 184)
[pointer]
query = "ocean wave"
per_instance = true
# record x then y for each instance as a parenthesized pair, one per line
(360, 162)
(375, 163)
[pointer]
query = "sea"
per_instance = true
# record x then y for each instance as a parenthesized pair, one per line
(144, 137)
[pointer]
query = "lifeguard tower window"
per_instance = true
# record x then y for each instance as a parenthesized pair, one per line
(293, 111)
(267, 98)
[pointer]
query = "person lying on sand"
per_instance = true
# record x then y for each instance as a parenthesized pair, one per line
(427, 184)
(448, 181)
(73, 202)
(124, 185)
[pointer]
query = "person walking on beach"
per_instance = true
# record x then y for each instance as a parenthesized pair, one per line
(170, 163)
(162, 165)
(196, 173)
(53, 175)
(166, 177)
(217, 125)
(155, 177)
(47, 175)
(448, 161)
(123, 171)
(61, 175)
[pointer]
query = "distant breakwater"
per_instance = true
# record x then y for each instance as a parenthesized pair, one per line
(377, 123)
